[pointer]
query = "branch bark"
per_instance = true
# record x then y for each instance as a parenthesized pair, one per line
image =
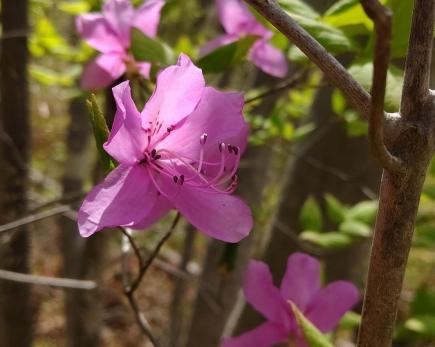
(400, 192)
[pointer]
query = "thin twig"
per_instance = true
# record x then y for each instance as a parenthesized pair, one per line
(154, 254)
(332, 69)
(47, 281)
(34, 218)
(286, 85)
(382, 18)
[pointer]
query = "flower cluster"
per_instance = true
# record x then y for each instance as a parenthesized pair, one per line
(109, 32)
(238, 22)
(300, 285)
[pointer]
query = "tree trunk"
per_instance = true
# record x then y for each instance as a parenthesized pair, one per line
(15, 310)
(316, 168)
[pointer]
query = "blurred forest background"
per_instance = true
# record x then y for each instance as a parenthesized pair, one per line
(307, 175)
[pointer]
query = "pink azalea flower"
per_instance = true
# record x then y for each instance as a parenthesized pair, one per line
(239, 22)
(324, 307)
(109, 33)
(182, 151)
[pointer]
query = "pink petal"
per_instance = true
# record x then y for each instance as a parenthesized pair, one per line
(220, 216)
(330, 304)
(269, 59)
(124, 198)
(261, 293)
(144, 69)
(301, 280)
(237, 19)
(102, 71)
(147, 17)
(178, 91)
(220, 116)
(218, 42)
(120, 13)
(96, 31)
(265, 335)
(127, 140)
(160, 209)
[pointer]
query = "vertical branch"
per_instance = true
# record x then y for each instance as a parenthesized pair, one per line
(400, 191)
(381, 16)
(417, 68)
(15, 315)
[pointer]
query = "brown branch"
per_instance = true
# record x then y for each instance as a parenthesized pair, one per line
(47, 281)
(382, 18)
(332, 69)
(400, 191)
(130, 288)
(417, 68)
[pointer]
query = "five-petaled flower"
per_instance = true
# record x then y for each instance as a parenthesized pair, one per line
(109, 33)
(182, 151)
(239, 22)
(301, 285)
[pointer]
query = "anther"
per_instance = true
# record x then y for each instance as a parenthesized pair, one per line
(181, 180)
(175, 178)
(203, 139)
(221, 147)
(170, 128)
(157, 157)
(235, 150)
(153, 153)
(230, 148)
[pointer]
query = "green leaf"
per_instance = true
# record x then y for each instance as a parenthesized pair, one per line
(101, 133)
(329, 241)
(311, 215)
(335, 209)
(227, 56)
(363, 71)
(311, 334)
(350, 320)
(364, 211)
(74, 7)
(299, 7)
(402, 10)
(145, 48)
(355, 228)
(418, 327)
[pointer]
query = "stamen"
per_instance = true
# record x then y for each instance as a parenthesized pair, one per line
(203, 139)
(175, 178)
(181, 180)
(157, 157)
(221, 147)
(153, 153)
(235, 150)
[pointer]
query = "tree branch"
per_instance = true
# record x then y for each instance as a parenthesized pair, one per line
(417, 68)
(332, 69)
(47, 281)
(381, 16)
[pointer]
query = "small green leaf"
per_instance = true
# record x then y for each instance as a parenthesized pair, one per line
(311, 334)
(299, 7)
(364, 211)
(226, 56)
(329, 241)
(311, 215)
(335, 209)
(350, 320)
(101, 133)
(355, 228)
(74, 7)
(145, 48)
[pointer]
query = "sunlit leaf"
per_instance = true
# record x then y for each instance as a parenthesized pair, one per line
(335, 209)
(364, 211)
(329, 241)
(356, 229)
(311, 215)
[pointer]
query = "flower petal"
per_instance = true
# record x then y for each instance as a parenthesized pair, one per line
(331, 303)
(178, 91)
(120, 13)
(261, 293)
(147, 17)
(218, 215)
(220, 116)
(237, 19)
(301, 280)
(124, 198)
(127, 140)
(102, 71)
(269, 59)
(96, 31)
(144, 69)
(216, 43)
(265, 335)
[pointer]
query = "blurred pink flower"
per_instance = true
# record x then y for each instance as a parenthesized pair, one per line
(301, 284)
(182, 151)
(239, 22)
(109, 33)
